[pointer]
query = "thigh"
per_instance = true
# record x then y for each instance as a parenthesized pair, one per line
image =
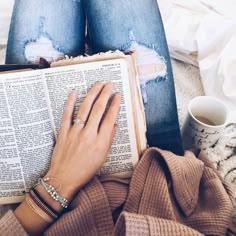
(137, 25)
(45, 28)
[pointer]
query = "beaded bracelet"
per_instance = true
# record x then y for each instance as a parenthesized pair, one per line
(52, 191)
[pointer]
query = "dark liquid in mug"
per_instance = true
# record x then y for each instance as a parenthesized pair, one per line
(205, 120)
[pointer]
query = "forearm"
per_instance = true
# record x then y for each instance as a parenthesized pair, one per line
(31, 222)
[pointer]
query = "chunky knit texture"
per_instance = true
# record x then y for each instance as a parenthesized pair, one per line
(167, 195)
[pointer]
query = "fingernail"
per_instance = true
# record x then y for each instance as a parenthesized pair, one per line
(73, 92)
(117, 94)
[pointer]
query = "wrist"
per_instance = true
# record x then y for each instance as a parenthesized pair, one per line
(55, 194)
(67, 189)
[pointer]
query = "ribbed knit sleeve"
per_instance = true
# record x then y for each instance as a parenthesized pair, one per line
(167, 195)
(130, 224)
(10, 226)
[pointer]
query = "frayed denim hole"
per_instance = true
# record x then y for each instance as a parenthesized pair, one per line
(157, 80)
(147, 55)
(132, 40)
(27, 42)
(42, 46)
(125, 47)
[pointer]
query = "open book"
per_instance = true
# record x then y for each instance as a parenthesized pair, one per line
(31, 109)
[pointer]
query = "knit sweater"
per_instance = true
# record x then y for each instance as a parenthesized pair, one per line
(167, 195)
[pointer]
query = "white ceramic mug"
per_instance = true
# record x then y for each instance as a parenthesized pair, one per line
(206, 119)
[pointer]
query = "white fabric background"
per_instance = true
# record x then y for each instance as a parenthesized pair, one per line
(202, 32)
(5, 14)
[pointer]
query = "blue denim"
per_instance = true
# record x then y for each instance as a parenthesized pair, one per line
(60, 21)
(126, 25)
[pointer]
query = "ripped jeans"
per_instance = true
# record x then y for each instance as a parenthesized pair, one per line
(54, 28)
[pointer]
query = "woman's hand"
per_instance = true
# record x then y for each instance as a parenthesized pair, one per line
(82, 149)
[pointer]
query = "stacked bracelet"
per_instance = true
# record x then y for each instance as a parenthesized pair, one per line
(42, 204)
(52, 191)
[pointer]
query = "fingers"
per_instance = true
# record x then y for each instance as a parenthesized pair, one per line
(68, 111)
(111, 116)
(93, 112)
(99, 107)
(87, 104)
(113, 133)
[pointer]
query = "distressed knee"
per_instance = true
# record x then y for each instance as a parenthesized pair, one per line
(150, 64)
(42, 47)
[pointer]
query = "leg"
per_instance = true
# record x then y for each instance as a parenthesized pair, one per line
(137, 25)
(48, 29)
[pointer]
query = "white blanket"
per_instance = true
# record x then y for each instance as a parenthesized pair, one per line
(202, 32)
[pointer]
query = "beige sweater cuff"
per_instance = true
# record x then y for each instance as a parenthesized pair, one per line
(10, 226)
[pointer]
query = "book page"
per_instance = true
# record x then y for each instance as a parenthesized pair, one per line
(26, 137)
(60, 81)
